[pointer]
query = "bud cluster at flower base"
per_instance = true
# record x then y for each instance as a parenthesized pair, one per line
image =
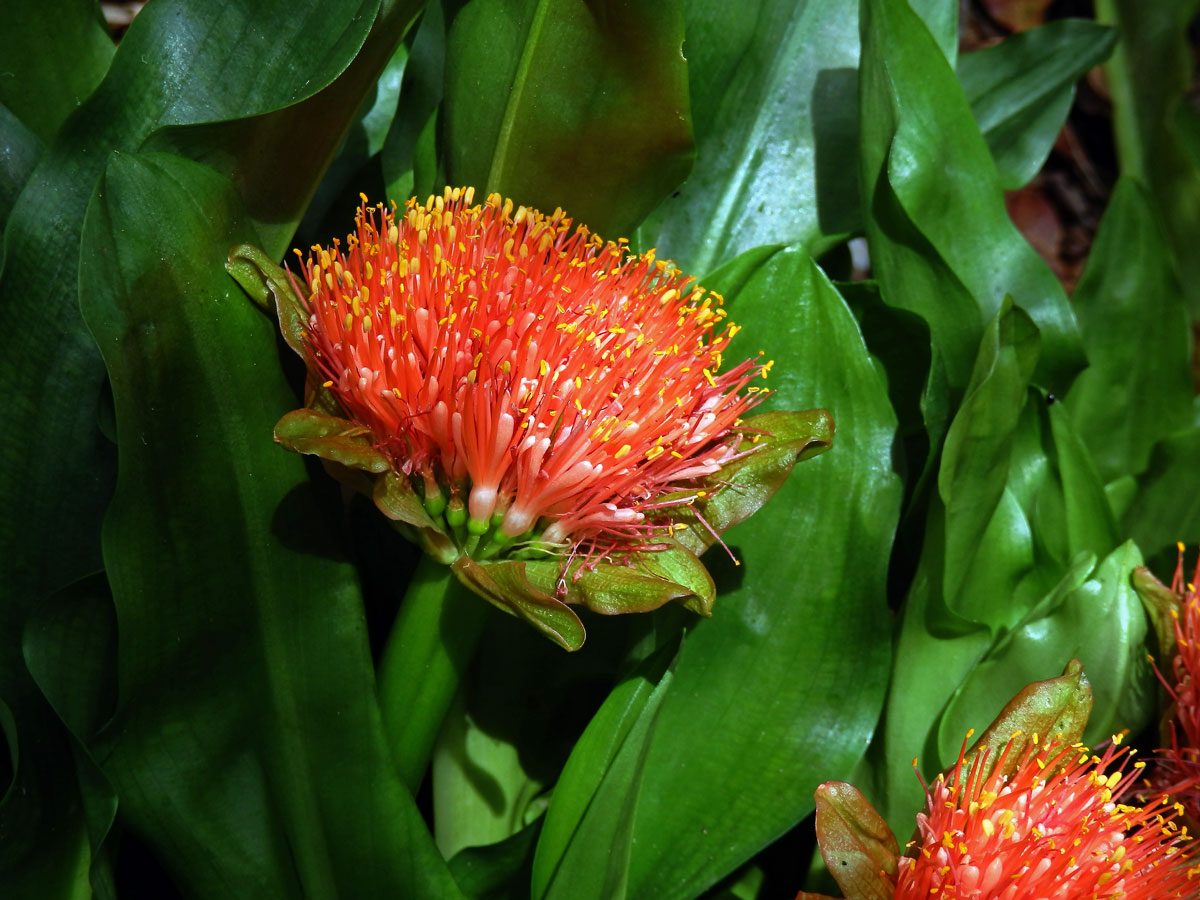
(546, 412)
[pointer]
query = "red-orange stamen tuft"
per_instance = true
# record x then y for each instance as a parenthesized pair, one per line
(553, 382)
(1177, 771)
(1055, 828)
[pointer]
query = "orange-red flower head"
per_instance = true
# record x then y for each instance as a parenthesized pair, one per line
(547, 384)
(1054, 828)
(1177, 771)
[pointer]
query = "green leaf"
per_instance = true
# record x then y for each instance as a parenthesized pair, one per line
(1167, 508)
(427, 652)
(69, 645)
(420, 94)
(1093, 615)
(1149, 78)
(940, 240)
(181, 62)
(482, 792)
(499, 871)
(53, 59)
(362, 143)
(859, 849)
(20, 150)
(277, 160)
(1021, 89)
(1019, 501)
(226, 764)
(560, 103)
(1138, 386)
(584, 849)
(783, 686)
(773, 87)
(978, 449)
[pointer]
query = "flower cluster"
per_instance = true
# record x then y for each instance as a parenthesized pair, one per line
(1177, 771)
(534, 381)
(1055, 827)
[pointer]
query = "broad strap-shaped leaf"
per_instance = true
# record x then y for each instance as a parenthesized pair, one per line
(179, 63)
(1092, 615)
(584, 849)
(580, 106)
(795, 657)
(979, 444)
(941, 242)
(1149, 76)
(1138, 386)
(227, 764)
(859, 849)
(1021, 89)
(21, 150)
(1168, 506)
(773, 87)
(53, 60)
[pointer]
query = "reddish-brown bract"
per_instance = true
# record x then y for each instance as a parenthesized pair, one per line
(544, 377)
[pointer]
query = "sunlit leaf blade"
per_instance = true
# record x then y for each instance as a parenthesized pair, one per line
(584, 848)
(1026, 595)
(941, 243)
(782, 687)
(1094, 615)
(481, 791)
(1138, 386)
(1149, 77)
(233, 766)
(1021, 89)
(773, 88)
(558, 103)
(52, 62)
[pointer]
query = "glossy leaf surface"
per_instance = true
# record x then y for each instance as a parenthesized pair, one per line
(514, 122)
(941, 242)
(773, 87)
(1149, 76)
(1138, 388)
(766, 684)
(1021, 89)
(251, 797)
